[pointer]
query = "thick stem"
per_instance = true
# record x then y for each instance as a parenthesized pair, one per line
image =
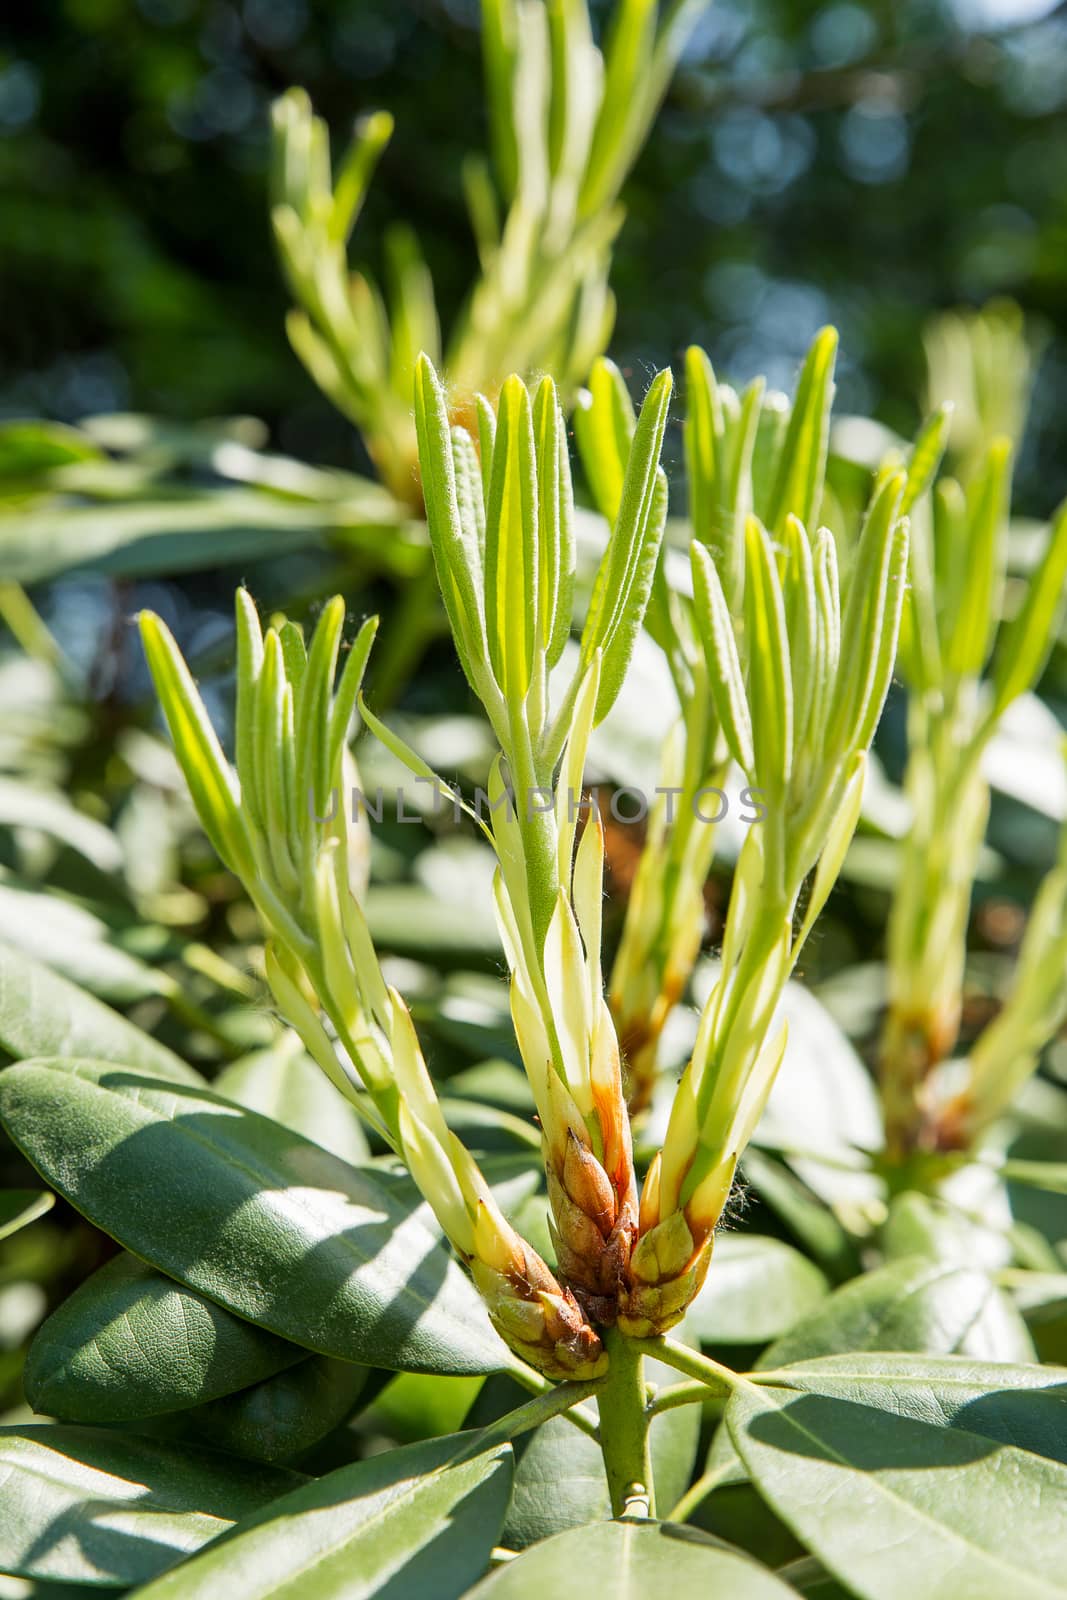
(624, 1426)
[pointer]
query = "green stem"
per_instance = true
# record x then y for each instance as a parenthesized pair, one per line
(556, 1401)
(624, 1427)
(722, 1380)
(698, 1493)
(680, 1394)
(537, 1385)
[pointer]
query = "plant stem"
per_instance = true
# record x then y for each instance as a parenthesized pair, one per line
(681, 1394)
(536, 1384)
(555, 1401)
(624, 1426)
(721, 1380)
(706, 1484)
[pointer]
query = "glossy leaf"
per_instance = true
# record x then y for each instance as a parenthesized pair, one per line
(858, 1485)
(281, 1417)
(912, 1304)
(86, 1506)
(251, 1215)
(631, 1559)
(411, 1522)
(292, 1090)
(130, 1343)
(1018, 1405)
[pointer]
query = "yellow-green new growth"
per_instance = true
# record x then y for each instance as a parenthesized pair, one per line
(264, 817)
(500, 516)
(567, 121)
(749, 453)
(798, 721)
(797, 685)
(963, 670)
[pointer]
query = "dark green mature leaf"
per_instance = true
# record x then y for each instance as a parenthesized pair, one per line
(20, 1207)
(630, 1559)
(560, 1483)
(42, 1013)
(735, 1512)
(1019, 1405)
(899, 1510)
(255, 1217)
(281, 1417)
(411, 1523)
(131, 1343)
(912, 1304)
(292, 1090)
(95, 1507)
(757, 1289)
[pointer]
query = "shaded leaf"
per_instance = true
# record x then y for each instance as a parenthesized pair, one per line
(911, 1304)
(287, 1086)
(131, 1343)
(281, 1417)
(93, 1507)
(1018, 1405)
(255, 1217)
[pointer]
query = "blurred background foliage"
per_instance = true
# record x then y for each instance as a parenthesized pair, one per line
(854, 162)
(861, 163)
